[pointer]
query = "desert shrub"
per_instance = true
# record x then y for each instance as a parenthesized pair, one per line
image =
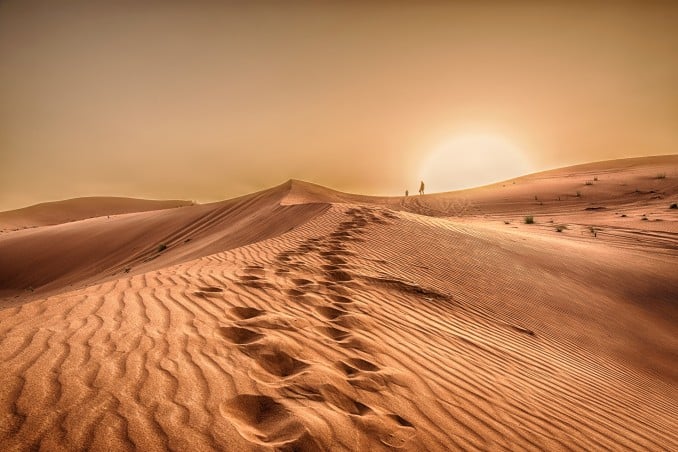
(589, 182)
(529, 219)
(162, 247)
(661, 176)
(674, 206)
(561, 228)
(595, 179)
(578, 194)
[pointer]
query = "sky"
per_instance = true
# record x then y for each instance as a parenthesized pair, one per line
(210, 100)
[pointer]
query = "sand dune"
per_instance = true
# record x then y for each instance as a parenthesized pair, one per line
(92, 250)
(78, 209)
(300, 318)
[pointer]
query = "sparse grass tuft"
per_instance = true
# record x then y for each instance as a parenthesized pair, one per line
(507, 222)
(661, 176)
(595, 179)
(594, 231)
(578, 194)
(529, 219)
(589, 182)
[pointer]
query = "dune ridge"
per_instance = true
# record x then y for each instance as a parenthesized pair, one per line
(363, 326)
(57, 212)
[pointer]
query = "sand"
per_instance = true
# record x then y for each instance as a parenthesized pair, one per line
(301, 318)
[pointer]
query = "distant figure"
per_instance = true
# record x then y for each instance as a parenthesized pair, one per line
(407, 193)
(421, 188)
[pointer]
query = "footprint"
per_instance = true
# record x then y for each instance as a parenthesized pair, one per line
(345, 403)
(243, 312)
(341, 234)
(400, 420)
(339, 276)
(300, 282)
(278, 363)
(285, 256)
(351, 322)
(334, 333)
(363, 364)
(254, 282)
(330, 313)
(295, 292)
(336, 260)
(345, 368)
(340, 299)
(239, 335)
(261, 419)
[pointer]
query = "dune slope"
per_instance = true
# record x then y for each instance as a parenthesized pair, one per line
(78, 209)
(360, 325)
(92, 250)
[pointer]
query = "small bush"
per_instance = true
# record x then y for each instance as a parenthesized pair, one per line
(507, 222)
(595, 179)
(661, 176)
(644, 218)
(578, 194)
(561, 228)
(162, 247)
(529, 219)
(594, 231)
(589, 182)
(623, 215)
(674, 206)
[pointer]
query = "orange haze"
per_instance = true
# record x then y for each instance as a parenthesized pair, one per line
(207, 100)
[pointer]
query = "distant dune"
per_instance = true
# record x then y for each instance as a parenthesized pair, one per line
(302, 318)
(57, 212)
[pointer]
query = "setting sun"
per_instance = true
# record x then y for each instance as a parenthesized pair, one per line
(473, 160)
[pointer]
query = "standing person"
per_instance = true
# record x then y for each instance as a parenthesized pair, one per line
(407, 193)
(421, 188)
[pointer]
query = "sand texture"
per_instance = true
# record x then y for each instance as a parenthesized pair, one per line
(300, 318)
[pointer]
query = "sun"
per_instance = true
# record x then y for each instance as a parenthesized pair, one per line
(472, 160)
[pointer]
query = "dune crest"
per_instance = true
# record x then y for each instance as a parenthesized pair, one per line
(299, 318)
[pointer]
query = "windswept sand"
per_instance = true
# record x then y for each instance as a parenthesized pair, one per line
(300, 318)
(58, 212)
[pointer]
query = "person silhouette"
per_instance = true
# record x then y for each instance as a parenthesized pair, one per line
(421, 188)
(407, 193)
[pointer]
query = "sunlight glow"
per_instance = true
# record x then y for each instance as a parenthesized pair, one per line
(472, 160)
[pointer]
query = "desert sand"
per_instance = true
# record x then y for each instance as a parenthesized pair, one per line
(301, 318)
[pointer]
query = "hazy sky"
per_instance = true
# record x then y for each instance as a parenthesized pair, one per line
(208, 100)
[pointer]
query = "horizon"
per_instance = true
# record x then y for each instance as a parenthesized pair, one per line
(274, 185)
(208, 102)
